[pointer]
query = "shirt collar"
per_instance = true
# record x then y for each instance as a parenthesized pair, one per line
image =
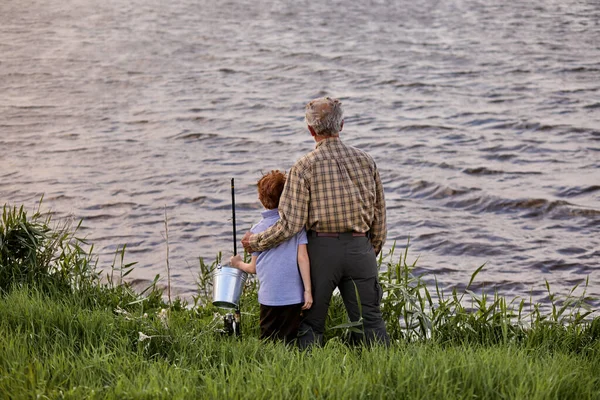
(270, 213)
(328, 140)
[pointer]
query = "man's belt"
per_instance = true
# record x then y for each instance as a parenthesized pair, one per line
(337, 235)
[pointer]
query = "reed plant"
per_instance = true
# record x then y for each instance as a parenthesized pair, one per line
(415, 312)
(32, 252)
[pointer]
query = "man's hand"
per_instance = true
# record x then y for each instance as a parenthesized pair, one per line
(246, 242)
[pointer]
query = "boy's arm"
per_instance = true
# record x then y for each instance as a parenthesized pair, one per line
(236, 262)
(304, 265)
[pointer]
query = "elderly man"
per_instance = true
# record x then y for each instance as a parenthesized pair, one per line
(336, 193)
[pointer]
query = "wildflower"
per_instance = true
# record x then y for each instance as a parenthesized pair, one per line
(163, 316)
(119, 310)
(143, 337)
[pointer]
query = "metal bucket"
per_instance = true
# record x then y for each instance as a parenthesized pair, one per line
(228, 284)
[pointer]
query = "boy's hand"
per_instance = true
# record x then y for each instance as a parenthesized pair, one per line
(308, 300)
(235, 261)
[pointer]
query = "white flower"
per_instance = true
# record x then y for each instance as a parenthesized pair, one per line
(143, 337)
(119, 310)
(163, 315)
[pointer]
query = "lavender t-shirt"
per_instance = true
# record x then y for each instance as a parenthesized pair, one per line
(279, 279)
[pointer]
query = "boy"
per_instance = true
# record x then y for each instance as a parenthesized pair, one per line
(283, 271)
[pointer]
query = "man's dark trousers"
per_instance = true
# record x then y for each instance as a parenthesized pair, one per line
(347, 262)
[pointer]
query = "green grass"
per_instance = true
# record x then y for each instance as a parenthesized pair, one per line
(65, 334)
(55, 348)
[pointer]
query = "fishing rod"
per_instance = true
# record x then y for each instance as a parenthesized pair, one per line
(228, 284)
(233, 214)
(234, 321)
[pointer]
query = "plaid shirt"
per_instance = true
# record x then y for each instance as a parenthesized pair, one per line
(334, 188)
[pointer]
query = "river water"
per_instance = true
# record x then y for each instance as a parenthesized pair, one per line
(483, 117)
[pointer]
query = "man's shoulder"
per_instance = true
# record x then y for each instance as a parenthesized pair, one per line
(335, 149)
(360, 152)
(354, 153)
(306, 160)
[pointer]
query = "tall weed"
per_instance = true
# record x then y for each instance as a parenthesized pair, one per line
(34, 253)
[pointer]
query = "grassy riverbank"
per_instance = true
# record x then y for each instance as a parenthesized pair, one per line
(64, 334)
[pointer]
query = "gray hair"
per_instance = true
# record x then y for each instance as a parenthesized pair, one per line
(325, 116)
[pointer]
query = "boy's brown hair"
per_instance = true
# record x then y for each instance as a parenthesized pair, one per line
(270, 187)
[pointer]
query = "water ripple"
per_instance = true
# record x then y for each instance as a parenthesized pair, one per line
(481, 117)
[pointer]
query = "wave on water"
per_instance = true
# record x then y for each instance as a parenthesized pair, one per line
(577, 190)
(487, 138)
(197, 136)
(474, 199)
(487, 171)
(482, 248)
(526, 207)
(429, 190)
(553, 265)
(105, 206)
